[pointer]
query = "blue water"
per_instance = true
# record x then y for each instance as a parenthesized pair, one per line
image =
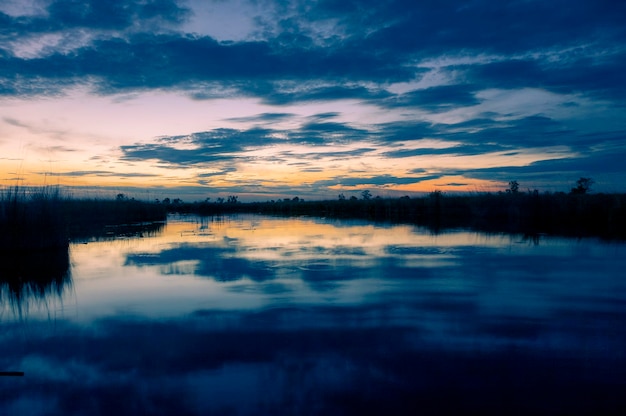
(258, 315)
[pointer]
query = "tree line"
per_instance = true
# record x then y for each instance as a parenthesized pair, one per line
(576, 213)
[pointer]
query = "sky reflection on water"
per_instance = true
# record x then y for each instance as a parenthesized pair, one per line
(259, 315)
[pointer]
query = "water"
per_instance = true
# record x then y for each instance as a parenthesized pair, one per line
(261, 315)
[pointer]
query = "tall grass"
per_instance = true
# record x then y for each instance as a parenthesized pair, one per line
(31, 219)
(34, 246)
(42, 218)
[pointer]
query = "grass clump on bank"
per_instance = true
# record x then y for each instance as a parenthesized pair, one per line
(42, 218)
(31, 219)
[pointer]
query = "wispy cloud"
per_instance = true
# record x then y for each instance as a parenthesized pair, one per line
(101, 173)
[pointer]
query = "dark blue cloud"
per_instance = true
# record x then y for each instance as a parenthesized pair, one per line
(435, 98)
(581, 73)
(331, 155)
(104, 173)
(405, 131)
(278, 96)
(597, 163)
(151, 61)
(95, 14)
(212, 146)
(325, 116)
(536, 130)
(223, 145)
(375, 180)
(565, 46)
(264, 117)
(464, 150)
(223, 171)
(503, 27)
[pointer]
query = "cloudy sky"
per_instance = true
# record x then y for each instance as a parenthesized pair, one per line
(278, 98)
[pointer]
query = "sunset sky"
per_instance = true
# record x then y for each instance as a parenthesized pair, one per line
(267, 99)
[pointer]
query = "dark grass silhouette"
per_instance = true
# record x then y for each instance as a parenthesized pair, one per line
(37, 225)
(102, 218)
(31, 220)
(574, 214)
(33, 275)
(42, 219)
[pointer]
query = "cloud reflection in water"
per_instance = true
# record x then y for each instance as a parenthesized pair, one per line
(302, 316)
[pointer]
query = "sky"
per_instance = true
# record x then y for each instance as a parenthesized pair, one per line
(269, 99)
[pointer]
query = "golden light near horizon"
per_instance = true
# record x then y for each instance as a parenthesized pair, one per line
(297, 166)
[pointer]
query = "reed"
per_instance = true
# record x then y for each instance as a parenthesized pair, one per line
(31, 219)
(42, 218)
(36, 226)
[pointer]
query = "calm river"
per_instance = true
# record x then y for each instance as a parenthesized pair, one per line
(250, 315)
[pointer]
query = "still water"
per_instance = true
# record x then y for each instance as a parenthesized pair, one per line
(259, 315)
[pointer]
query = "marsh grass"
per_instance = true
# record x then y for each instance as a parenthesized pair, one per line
(42, 218)
(36, 227)
(579, 215)
(31, 219)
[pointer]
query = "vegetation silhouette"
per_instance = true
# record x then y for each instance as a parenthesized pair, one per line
(42, 218)
(37, 225)
(31, 220)
(583, 186)
(104, 218)
(577, 214)
(33, 275)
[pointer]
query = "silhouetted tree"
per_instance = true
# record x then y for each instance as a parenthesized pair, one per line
(513, 187)
(342, 197)
(583, 186)
(366, 195)
(232, 199)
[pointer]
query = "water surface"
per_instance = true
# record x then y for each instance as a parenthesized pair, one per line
(260, 315)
